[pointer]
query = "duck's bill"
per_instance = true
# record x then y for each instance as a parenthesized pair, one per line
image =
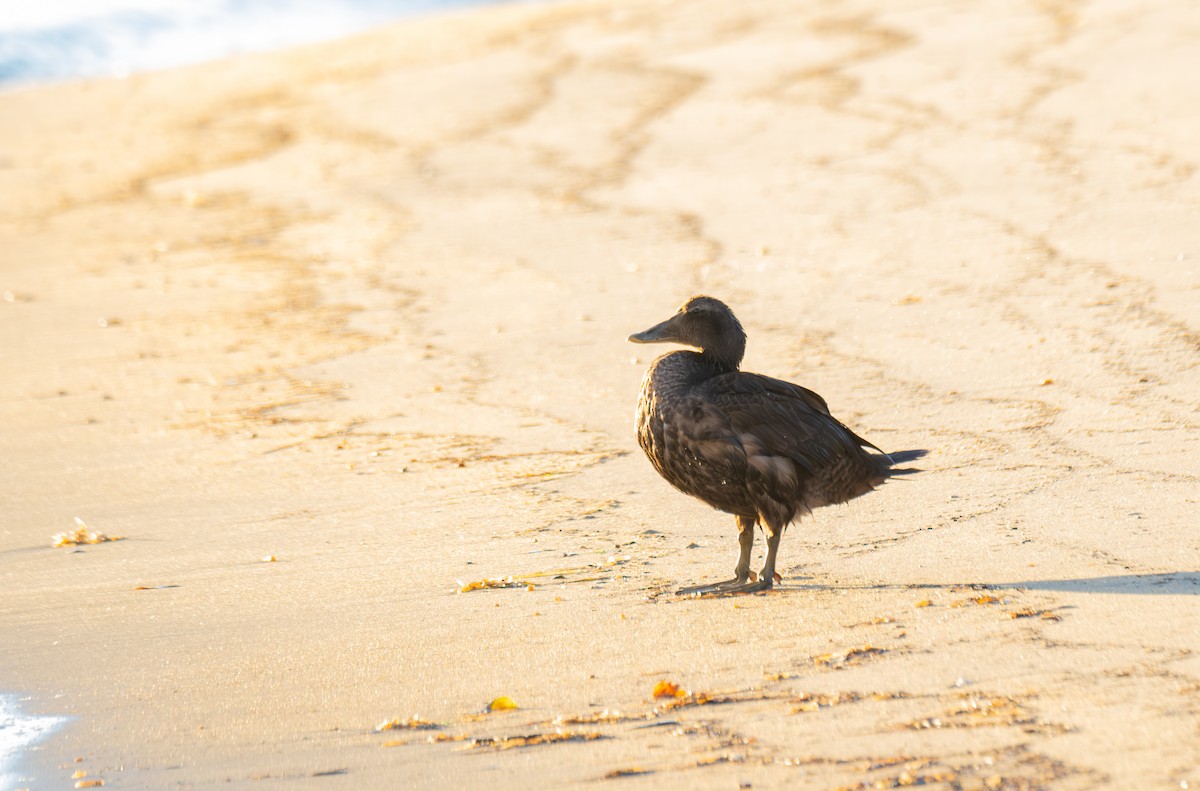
(659, 333)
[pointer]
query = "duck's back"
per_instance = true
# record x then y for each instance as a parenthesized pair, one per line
(743, 442)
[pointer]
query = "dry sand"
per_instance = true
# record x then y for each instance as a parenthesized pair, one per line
(362, 307)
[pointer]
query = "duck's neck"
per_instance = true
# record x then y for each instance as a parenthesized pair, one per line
(725, 354)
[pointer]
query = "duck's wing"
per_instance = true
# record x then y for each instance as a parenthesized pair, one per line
(697, 429)
(713, 450)
(774, 418)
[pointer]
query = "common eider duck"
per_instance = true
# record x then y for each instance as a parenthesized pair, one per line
(764, 450)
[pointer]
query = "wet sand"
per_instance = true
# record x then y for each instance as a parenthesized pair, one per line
(327, 334)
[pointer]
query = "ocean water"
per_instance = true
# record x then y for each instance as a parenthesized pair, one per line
(17, 733)
(52, 40)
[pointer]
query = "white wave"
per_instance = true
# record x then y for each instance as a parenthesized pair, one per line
(17, 732)
(60, 39)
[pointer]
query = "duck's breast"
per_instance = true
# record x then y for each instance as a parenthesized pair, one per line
(692, 444)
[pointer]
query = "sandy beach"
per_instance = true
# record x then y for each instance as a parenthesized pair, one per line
(327, 335)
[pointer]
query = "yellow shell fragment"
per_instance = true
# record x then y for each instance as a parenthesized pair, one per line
(502, 703)
(668, 689)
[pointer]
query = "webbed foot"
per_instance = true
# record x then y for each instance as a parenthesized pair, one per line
(714, 587)
(727, 587)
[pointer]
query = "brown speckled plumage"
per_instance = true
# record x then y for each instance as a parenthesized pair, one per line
(762, 449)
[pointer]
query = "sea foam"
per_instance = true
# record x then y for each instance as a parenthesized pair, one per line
(63, 39)
(17, 733)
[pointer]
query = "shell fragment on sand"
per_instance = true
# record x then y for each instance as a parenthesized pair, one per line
(82, 534)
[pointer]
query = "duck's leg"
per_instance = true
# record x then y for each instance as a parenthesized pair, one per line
(767, 578)
(768, 571)
(741, 572)
(746, 525)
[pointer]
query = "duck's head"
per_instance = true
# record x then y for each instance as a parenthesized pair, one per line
(705, 323)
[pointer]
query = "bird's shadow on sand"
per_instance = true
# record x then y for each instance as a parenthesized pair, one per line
(1176, 583)
(1186, 583)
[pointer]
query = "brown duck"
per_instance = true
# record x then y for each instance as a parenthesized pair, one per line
(764, 450)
